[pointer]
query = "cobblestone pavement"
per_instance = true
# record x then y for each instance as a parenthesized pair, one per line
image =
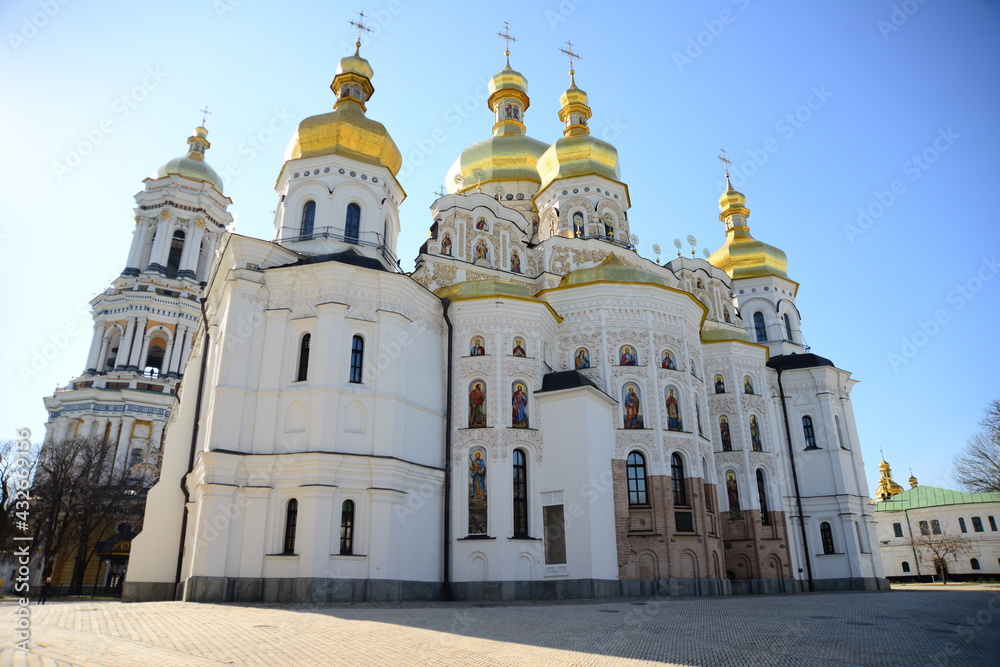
(912, 625)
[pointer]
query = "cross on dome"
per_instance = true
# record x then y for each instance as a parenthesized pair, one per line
(360, 25)
(507, 38)
(569, 52)
(725, 160)
(204, 114)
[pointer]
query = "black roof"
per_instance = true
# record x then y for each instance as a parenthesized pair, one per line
(565, 380)
(789, 361)
(345, 257)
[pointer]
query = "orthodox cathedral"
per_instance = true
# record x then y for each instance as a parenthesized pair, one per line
(535, 411)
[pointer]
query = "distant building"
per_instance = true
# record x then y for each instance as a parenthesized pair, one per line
(931, 511)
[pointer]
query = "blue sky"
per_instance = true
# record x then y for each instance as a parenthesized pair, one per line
(864, 135)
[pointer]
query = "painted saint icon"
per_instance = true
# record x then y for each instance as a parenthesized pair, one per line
(725, 435)
(747, 385)
(673, 410)
(446, 245)
(726, 316)
(519, 350)
(582, 358)
(477, 349)
(627, 357)
(720, 385)
(519, 406)
(755, 440)
(632, 406)
(515, 261)
(578, 224)
(699, 284)
(482, 251)
(477, 405)
(733, 492)
(481, 224)
(477, 491)
(667, 360)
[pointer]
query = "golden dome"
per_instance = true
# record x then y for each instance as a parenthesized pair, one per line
(578, 156)
(508, 79)
(512, 157)
(346, 130)
(577, 153)
(886, 486)
(193, 164)
(743, 256)
(613, 270)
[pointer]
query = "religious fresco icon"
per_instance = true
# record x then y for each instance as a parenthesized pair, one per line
(627, 356)
(667, 360)
(477, 349)
(519, 350)
(674, 422)
(477, 404)
(631, 406)
(725, 435)
(519, 406)
(582, 358)
(720, 385)
(747, 385)
(477, 491)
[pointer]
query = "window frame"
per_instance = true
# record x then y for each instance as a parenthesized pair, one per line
(826, 538)
(678, 484)
(307, 221)
(356, 375)
(809, 432)
(347, 517)
(519, 468)
(977, 524)
(291, 524)
(302, 368)
(354, 237)
(765, 514)
(637, 497)
(759, 327)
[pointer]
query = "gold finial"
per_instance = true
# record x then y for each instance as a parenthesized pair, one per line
(362, 28)
(725, 160)
(569, 52)
(507, 38)
(204, 115)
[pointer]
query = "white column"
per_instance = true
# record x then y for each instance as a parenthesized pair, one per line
(125, 345)
(124, 444)
(62, 428)
(139, 237)
(93, 357)
(192, 249)
(185, 353)
(174, 357)
(103, 354)
(140, 336)
(161, 245)
(165, 364)
(88, 427)
(210, 248)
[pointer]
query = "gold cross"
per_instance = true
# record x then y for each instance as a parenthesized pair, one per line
(204, 114)
(726, 161)
(440, 192)
(360, 25)
(507, 37)
(569, 52)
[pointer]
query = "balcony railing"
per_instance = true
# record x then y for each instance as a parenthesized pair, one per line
(363, 239)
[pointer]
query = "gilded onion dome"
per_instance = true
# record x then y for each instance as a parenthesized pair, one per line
(887, 488)
(612, 270)
(193, 164)
(346, 130)
(577, 153)
(509, 155)
(743, 256)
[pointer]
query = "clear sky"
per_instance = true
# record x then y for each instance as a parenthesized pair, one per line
(864, 134)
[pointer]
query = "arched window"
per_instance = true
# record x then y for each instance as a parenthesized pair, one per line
(974, 563)
(993, 523)
(308, 220)
(677, 479)
(291, 517)
(636, 468)
(303, 371)
(347, 528)
(897, 529)
(357, 358)
(352, 224)
(906, 566)
(174, 258)
(840, 432)
(154, 359)
(788, 329)
(961, 525)
(935, 527)
(520, 494)
(765, 516)
(826, 534)
(808, 433)
(758, 326)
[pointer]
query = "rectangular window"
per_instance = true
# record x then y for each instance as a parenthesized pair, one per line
(993, 524)
(555, 534)
(961, 524)
(977, 524)
(935, 526)
(684, 521)
(925, 529)
(357, 358)
(897, 529)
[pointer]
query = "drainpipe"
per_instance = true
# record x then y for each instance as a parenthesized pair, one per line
(795, 483)
(916, 557)
(445, 302)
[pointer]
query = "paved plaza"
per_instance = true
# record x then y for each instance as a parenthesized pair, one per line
(912, 626)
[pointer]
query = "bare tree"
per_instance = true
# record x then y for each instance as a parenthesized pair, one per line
(934, 550)
(16, 464)
(977, 467)
(80, 495)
